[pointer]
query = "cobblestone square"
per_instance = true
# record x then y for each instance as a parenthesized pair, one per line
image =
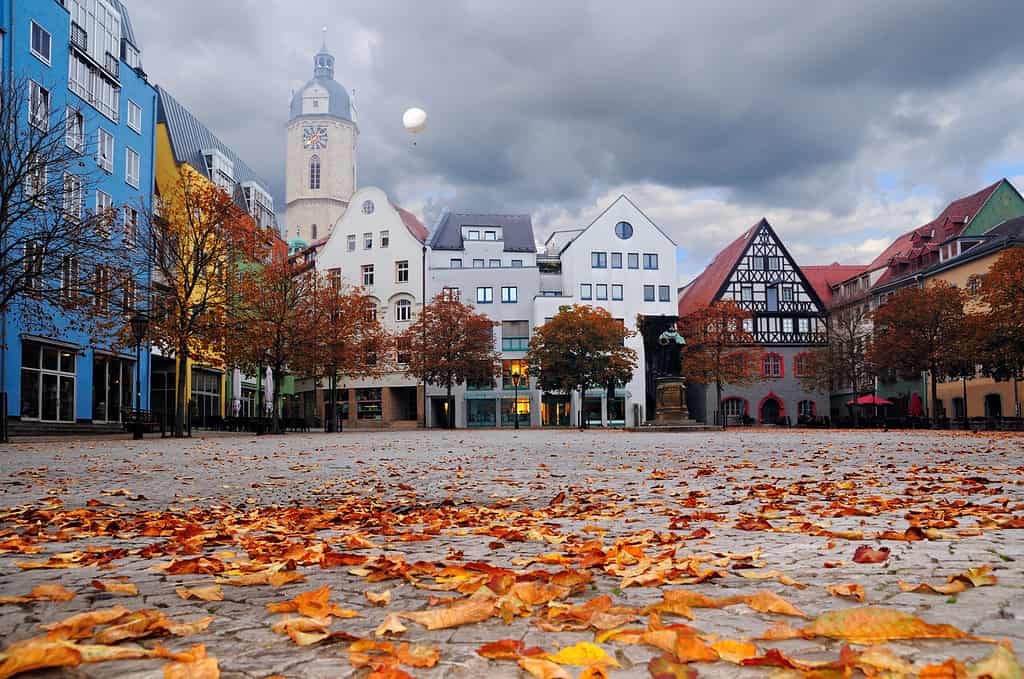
(725, 515)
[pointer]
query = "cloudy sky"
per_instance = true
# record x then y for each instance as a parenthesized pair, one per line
(844, 123)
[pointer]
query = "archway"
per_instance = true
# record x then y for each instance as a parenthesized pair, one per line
(771, 409)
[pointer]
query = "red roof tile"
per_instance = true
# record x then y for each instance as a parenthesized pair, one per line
(413, 223)
(701, 292)
(823, 277)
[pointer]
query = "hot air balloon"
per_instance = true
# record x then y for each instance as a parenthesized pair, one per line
(415, 120)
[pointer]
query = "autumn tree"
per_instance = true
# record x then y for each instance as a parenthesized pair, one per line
(1001, 343)
(194, 241)
(344, 337)
(918, 330)
(269, 321)
(580, 348)
(844, 363)
(450, 344)
(720, 349)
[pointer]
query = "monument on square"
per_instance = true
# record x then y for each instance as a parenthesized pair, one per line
(663, 347)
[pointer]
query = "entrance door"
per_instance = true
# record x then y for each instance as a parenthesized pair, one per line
(770, 411)
(439, 412)
(993, 405)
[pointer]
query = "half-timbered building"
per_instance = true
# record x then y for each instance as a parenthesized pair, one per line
(788, 321)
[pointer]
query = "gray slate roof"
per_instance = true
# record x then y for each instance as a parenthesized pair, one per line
(1011, 228)
(340, 105)
(189, 137)
(517, 230)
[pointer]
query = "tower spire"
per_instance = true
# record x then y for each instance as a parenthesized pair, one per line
(323, 62)
(323, 46)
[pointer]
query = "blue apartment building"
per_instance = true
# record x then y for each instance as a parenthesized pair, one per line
(82, 57)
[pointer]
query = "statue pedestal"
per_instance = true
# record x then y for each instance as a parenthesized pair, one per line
(670, 401)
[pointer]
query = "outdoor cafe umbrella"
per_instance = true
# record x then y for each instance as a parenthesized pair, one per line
(871, 400)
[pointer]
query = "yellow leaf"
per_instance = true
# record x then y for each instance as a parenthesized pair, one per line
(474, 609)
(765, 602)
(1000, 664)
(872, 625)
(116, 587)
(583, 653)
(378, 599)
(848, 591)
(210, 593)
(391, 625)
(543, 669)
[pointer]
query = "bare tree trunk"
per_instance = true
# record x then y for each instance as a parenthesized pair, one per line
(719, 419)
(450, 419)
(275, 397)
(935, 396)
(180, 402)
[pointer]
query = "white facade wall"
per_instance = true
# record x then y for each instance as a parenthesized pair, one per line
(374, 214)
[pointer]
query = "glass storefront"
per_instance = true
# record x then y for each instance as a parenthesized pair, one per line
(206, 395)
(511, 409)
(480, 412)
(592, 410)
(113, 395)
(47, 382)
(617, 412)
(369, 404)
(555, 411)
(161, 392)
(249, 403)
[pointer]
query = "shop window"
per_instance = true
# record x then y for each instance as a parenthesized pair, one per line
(806, 410)
(481, 412)
(47, 382)
(555, 411)
(512, 409)
(369, 405)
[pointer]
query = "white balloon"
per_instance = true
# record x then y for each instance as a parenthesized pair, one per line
(415, 120)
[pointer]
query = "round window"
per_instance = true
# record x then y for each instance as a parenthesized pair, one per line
(624, 230)
(368, 207)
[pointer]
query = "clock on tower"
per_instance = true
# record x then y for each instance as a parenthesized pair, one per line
(314, 137)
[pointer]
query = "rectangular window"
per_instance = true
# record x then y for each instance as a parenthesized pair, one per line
(478, 263)
(47, 382)
(74, 129)
(69, 277)
(634, 260)
(104, 210)
(648, 293)
(73, 203)
(473, 235)
(602, 291)
(514, 367)
(41, 42)
(787, 325)
(494, 263)
(35, 183)
(367, 270)
(650, 261)
(134, 116)
(746, 293)
(515, 335)
(455, 263)
(586, 291)
(490, 235)
(131, 226)
(664, 293)
(385, 239)
(402, 272)
(774, 263)
(34, 254)
(803, 325)
(102, 288)
(484, 295)
(367, 241)
(334, 278)
(39, 106)
(599, 260)
(616, 292)
(509, 294)
(351, 242)
(105, 150)
(93, 85)
(132, 167)
(517, 264)
(452, 294)
(616, 260)
(757, 263)
(787, 293)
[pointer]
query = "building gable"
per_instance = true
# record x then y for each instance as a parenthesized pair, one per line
(1004, 203)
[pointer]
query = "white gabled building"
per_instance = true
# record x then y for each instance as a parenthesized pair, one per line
(622, 262)
(381, 248)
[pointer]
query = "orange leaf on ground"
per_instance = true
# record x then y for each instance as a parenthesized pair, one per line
(866, 554)
(544, 669)
(200, 666)
(272, 578)
(847, 591)
(80, 625)
(378, 598)
(210, 593)
(474, 609)
(54, 592)
(734, 651)
(389, 673)
(765, 602)
(115, 587)
(871, 625)
(595, 672)
(418, 655)
(506, 649)
(313, 604)
(392, 624)
(691, 649)
(666, 667)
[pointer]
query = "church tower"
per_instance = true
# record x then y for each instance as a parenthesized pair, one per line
(320, 166)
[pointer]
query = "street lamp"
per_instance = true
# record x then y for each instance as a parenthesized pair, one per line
(517, 378)
(140, 325)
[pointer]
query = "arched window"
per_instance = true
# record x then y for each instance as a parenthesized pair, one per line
(314, 172)
(771, 365)
(403, 310)
(806, 409)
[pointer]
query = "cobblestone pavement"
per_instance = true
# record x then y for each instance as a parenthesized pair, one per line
(495, 497)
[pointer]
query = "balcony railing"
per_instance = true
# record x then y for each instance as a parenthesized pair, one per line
(79, 38)
(112, 65)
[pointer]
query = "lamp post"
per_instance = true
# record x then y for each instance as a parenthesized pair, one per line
(517, 379)
(140, 325)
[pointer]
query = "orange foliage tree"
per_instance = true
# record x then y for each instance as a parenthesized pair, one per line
(921, 329)
(450, 344)
(193, 241)
(844, 363)
(1002, 342)
(580, 348)
(345, 337)
(719, 349)
(269, 319)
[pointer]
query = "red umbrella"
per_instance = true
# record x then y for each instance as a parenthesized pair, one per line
(869, 401)
(916, 408)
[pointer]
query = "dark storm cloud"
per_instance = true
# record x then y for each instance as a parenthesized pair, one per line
(538, 104)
